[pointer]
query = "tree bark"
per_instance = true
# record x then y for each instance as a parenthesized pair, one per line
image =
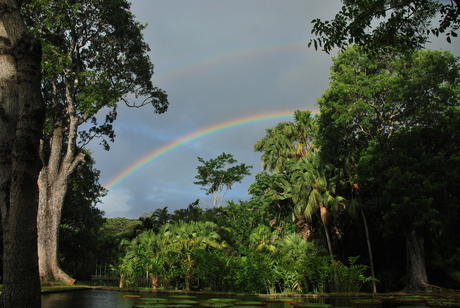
(52, 184)
(21, 121)
(417, 277)
(49, 218)
(154, 282)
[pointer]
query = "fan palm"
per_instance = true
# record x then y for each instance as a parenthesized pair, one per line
(144, 254)
(261, 239)
(287, 140)
(183, 238)
(312, 192)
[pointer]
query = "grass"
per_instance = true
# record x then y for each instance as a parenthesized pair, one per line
(52, 289)
(58, 287)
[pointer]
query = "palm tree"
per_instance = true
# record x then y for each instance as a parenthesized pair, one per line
(261, 240)
(143, 255)
(153, 220)
(193, 212)
(312, 192)
(160, 217)
(289, 148)
(287, 140)
(146, 223)
(183, 238)
(283, 146)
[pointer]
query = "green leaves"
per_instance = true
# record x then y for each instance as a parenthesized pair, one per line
(94, 56)
(386, 121)
(380, 25)
(218, 175)
(176, 246)
(288, 140)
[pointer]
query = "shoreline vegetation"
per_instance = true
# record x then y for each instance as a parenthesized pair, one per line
(62, 287)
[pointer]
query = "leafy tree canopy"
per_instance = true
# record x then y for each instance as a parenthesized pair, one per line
(390, 122)
(402, 24)
(94, 56)
(217, 177)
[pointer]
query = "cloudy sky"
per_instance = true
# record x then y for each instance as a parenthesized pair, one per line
(219, 61)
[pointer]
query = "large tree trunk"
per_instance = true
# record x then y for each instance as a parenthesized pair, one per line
(52, 184)
(21, 122)
(49, 217)
(418, 279)
(60, 159)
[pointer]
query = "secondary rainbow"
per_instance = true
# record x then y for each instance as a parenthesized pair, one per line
(196, 135)
(190, 66)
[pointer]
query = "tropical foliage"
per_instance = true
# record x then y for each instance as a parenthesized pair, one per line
(349, 199)
(193, 256)
(365, 192)
(388, 124)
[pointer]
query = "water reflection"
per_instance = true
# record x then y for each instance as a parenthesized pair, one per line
(115, 299)
(87, 299)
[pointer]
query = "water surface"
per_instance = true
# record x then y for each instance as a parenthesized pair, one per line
(114, 299)
(87, 299)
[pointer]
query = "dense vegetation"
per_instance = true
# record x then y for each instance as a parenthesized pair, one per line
(345, 196)
(208, 255)
(368, 188)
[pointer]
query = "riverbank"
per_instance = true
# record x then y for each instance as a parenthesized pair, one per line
(444, 292)
(58, 287)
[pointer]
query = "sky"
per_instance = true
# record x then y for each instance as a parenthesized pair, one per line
(232, 69)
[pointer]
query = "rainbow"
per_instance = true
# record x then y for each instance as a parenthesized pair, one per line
(194, 136)
(189, 66)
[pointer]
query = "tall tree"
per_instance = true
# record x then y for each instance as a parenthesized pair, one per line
(313, 191)
(21, 122)
(389, 121)
(378, 24)
(282, 148)
(218, 175)
(94, 57)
